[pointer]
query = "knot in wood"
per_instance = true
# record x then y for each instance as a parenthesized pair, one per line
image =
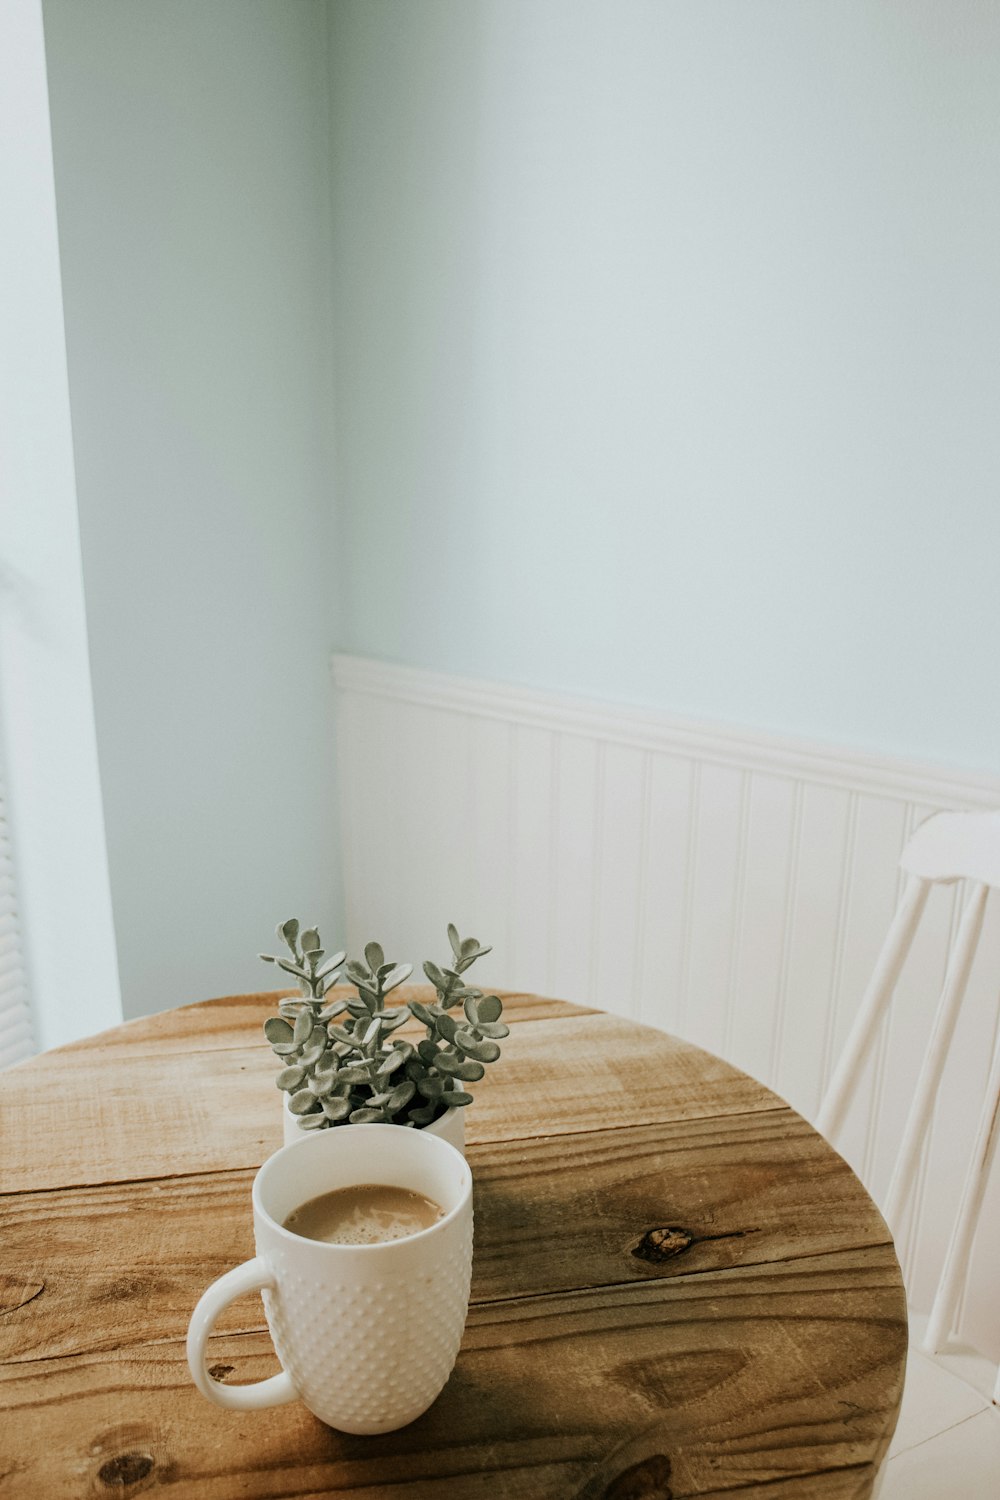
(648, 1480)
(219, 1372)
(124, 1470)
(658, 1245)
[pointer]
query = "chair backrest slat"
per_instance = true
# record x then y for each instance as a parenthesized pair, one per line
(898, 942)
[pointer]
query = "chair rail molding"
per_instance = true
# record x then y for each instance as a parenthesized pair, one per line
(728, 886)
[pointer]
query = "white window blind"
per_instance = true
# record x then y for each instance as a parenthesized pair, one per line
(16, 1034)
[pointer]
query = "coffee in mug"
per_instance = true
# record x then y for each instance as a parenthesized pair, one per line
(367, 1333)
(370, 1214)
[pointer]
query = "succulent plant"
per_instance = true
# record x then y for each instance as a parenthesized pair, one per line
(341, 1062)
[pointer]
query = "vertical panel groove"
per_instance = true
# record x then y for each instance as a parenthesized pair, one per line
(788, 928)
(736, 927)
(555, 764)
(597, 813)
(690, 869)
(638, 981)
(510, 884)
(843, 906)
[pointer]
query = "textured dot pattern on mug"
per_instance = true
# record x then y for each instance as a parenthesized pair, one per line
(349, 1317)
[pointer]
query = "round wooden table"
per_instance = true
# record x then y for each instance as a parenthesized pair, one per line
(679, 1288)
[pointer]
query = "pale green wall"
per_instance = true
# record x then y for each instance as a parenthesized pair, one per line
(664, 341)
(191, 171)
(666, 354)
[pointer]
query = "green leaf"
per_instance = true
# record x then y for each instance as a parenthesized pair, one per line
(353, 1075)
(366, 1116)
(341, 1034)
(372, 1031)
(321, 1084)
(288, 932)
(400, 1097)
(332, 963)
(455, 1098)
(391, 1062)
(290, 1078)
(315, 1050)
(435, 976)
(447, 1026)
(471, 1010)
(495, 1029)
(428, 1050)
(468, 1070)
(374, 957)
(486, 1052)
(268, 958)
(312, 1122)
(397, 975)
(356, 972)
(291, 968)
(283, 1049)
(454, 940)
(303, 1025)
(421, 1012)
(468, 949)
(430, 1087)
(310, 941)
(302, 1103)
(335, 1008)
(490, 1008)
(277, 1030)
(336, 1109)
(424, 1114)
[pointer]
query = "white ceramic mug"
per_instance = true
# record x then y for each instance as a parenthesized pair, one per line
(367, 1335)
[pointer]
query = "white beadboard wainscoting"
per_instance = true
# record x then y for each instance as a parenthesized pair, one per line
(732, 888)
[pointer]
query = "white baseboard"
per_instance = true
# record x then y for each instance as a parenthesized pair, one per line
(729, 886)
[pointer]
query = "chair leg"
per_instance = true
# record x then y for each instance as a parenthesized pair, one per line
(957, 1258)
(918, 1119)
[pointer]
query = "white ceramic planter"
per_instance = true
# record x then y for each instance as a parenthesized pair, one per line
(450, 1127)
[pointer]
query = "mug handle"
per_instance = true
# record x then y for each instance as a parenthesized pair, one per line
(251, 1276)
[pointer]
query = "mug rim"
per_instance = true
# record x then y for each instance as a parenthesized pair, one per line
(405, 1239)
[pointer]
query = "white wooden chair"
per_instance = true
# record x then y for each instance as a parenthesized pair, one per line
(947, 848)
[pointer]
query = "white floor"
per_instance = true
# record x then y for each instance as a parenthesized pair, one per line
(947, 1443)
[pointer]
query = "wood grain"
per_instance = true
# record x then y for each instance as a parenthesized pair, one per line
(131, 1259)
(735, 1373)
(753, 1346)
(209, 1107)
(236, 1021)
